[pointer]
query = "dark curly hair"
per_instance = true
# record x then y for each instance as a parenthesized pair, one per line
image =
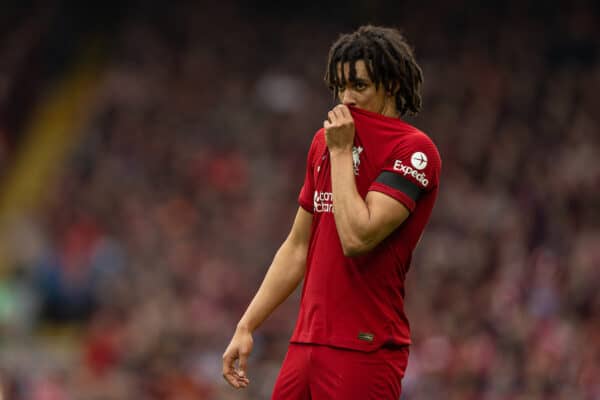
(389, 59)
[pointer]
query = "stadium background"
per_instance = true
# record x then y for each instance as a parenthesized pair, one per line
(150, 158)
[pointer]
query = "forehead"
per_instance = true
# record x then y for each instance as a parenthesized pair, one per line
(345, 70)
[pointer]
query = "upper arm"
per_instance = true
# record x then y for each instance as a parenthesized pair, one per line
(299, 236)
(410, 171)
(385, 215)
(305, 198)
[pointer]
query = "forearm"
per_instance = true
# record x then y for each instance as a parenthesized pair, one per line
(282, 278)
(351, 214)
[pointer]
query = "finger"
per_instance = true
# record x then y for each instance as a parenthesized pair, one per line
(326, 124)
(339, 117)
(241, 382)
(341, 107)
(229, 371)
(344, 114)
(232, 380)
(345, 111)
(332, 117)
(240, 378)
(228, 360)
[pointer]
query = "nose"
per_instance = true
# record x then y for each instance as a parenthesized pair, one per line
(347, 98)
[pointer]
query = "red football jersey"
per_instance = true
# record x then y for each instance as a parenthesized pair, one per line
(358, 302)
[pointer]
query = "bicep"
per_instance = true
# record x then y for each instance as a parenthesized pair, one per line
(385, 215)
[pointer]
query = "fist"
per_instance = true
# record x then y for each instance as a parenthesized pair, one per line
(339, 129)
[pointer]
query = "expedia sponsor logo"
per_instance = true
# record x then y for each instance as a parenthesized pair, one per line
(323, 202)
(418, 160)
(410, 171)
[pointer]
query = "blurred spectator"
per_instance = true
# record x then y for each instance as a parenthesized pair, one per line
(166, 215)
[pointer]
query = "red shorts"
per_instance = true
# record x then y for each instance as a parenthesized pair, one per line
(313, 372)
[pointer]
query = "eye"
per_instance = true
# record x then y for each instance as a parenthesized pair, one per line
(360, 85)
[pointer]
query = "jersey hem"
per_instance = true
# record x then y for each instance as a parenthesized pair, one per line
(350, 344)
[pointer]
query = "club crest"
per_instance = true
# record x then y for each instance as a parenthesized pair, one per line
(356, 158)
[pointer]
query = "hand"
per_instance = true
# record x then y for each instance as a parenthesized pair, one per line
(239, 349)
(339, 129)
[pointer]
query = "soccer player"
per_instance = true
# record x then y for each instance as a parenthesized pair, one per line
(370, 186)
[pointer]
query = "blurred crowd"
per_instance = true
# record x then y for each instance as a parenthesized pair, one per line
(128, 282)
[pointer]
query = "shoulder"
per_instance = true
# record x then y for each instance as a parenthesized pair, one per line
(414, 140)
(319, 137)
(415, 155)
(318, 143)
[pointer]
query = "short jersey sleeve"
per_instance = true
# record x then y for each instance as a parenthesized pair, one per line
(411, 170)
(305, 198)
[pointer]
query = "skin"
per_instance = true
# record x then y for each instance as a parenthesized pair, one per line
(282, 278)
(361, 224)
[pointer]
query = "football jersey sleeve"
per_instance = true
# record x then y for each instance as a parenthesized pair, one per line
(305, 198)
(412, 169)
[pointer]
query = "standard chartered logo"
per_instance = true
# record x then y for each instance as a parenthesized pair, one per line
(408, 170)
(323, 201)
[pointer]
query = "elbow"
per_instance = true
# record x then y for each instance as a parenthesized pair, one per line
(355, 247)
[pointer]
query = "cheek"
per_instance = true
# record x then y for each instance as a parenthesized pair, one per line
(373, 102)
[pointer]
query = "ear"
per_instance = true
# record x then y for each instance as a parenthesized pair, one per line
(393, 91)
(390, 98)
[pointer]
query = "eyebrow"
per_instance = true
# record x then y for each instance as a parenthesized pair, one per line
(360, 80)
